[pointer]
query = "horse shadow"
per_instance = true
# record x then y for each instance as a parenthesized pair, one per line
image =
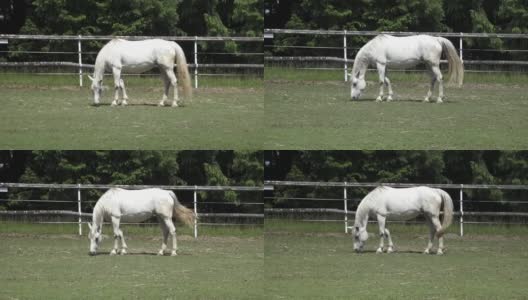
(406, 100)
(135, 104)
(393, 253)
(139, 253)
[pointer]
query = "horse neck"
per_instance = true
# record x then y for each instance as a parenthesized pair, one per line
(99, 68)
(97, 216)
(362, 214)
(361, 62)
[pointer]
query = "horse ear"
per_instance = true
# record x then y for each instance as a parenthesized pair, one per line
(91, 78)
(357, 74)
(89, 226)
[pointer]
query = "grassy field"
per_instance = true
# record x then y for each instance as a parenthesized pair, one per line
(309, 109)
(317, 261)
(57, 266)
(52, 112)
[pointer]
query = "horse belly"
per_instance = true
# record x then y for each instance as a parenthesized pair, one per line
(402, 215)
(403, 64)
(137, 67)
(136, 216)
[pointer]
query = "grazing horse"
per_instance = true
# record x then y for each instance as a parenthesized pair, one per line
(120, 55)
(403, 204)
(404, 52)
(137, 206)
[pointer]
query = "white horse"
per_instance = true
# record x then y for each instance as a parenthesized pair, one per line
(137, 206)
(403, 204)
(120, 55)
(404, 52)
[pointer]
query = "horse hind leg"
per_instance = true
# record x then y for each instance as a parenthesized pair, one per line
(172, 231)
(165, 232)
(431, 87)
(166, 85)
(437, 227)
(174, 84)
(438, 76)
(432, 232)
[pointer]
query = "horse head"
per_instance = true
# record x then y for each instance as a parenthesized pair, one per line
(360, 237)
(97, 88)
(95, 238)
(357, 85)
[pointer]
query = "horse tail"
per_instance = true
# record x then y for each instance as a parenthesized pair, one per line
(456, 67)
(448, 211)
(183, 71)
(181, 212)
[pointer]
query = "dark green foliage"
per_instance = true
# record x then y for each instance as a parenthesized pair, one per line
(128, 167)
(467, 167)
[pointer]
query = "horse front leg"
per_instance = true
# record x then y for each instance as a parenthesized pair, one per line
(123, 90)
(438, 76)
(117, 81)
(381, 74)
(389, 86)
(390, 249)
(118, 236)
(381, 224)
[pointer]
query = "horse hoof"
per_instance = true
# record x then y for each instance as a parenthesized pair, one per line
(389, 99)
(174, 253)
(123, 252)
(426, 100)
(380, 250)
(439, 100)
(426, 251)
(174, 104)
(160, 253)
(113, 252)
(440, 252)
(378, 99)
(390, 250)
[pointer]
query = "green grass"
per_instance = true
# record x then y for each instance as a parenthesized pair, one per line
(303, 111)
(147, 229)
(57, 266)
(51, 112)
(315, 263)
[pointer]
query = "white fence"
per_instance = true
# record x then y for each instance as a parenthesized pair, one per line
(270, 34)
(345, 186)
(196, 65)
(78, 188)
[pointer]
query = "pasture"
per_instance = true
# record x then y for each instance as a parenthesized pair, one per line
(47, 262)
(316, 261)
(311, 109)
(52, 112)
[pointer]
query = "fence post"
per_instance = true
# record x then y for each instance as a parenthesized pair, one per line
(345, 56)
(461, 210)
(79, 207)
(460, 46)
(195, 212)
(80, 61)
(346, 207)
(195, 62)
